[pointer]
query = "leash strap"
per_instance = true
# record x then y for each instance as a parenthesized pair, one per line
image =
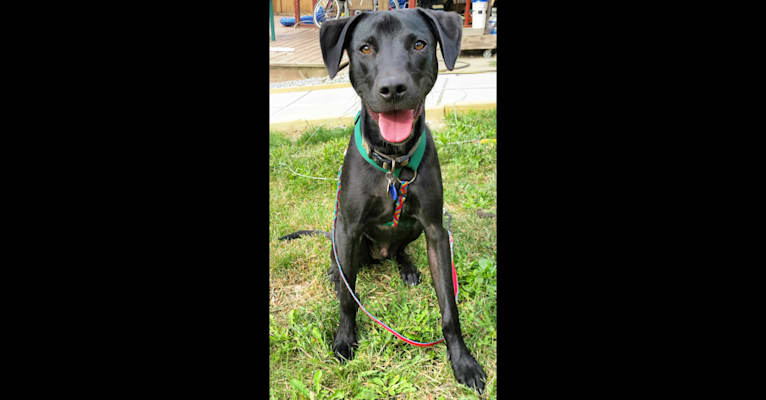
(402, 197)
(359, 303)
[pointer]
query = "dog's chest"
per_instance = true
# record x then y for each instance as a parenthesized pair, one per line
(379, 227)
(382, 206)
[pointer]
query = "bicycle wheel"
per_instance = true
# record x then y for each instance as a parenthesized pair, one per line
(377, 6)
(326, 10)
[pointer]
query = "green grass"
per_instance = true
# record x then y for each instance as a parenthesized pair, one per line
(303, 307)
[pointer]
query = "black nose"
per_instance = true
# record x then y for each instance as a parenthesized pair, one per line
(392, 88)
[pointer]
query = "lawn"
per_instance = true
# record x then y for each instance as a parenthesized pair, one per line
(303, 309)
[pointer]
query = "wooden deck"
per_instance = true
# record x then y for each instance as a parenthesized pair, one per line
(305, 42)
(307, 54)
(475, 39)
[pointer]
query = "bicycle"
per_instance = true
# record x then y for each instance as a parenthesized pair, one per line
(326, 10)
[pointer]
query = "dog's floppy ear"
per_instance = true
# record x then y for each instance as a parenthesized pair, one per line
(448, 29)
(332, 39)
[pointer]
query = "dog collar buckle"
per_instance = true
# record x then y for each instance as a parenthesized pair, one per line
(389, 163)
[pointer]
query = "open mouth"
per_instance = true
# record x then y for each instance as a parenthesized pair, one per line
(396, 126)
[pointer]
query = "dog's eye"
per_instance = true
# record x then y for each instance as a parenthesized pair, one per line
(365, 49)
(419, 45)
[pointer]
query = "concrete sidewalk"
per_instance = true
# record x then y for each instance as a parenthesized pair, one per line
(292, 109)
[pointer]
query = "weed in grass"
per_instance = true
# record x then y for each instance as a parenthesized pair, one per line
(303, 308)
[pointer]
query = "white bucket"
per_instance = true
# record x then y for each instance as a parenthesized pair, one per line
(478, 14)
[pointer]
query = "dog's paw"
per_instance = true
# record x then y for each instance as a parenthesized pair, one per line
(332, 274)
(468, 371)
(343, 348)
(410, 276)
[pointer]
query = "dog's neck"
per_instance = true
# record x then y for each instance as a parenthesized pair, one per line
(371, 134)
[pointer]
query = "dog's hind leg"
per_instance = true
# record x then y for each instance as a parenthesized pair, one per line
(408, 271)
(365, 258)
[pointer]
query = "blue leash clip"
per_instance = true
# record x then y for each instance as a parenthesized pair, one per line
(392, 191)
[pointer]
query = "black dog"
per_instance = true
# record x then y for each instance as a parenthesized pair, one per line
(393, 66)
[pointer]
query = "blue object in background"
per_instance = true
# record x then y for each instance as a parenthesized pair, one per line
(308, 19)
(290, 21)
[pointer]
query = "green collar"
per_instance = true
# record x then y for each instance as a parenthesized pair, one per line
(414, 160)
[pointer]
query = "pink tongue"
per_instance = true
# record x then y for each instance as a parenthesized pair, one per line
(396, 126)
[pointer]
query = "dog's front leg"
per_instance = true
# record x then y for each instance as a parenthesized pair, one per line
(467, 370)
(347, 240)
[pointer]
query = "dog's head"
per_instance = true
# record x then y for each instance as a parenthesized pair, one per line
(392, 61)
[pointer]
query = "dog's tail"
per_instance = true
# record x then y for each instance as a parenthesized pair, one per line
(296, 235)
